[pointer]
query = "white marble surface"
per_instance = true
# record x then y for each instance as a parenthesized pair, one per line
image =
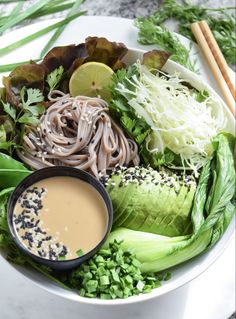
(210, 296)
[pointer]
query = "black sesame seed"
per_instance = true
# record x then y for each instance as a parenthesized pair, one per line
(37, 222)
(40, 244)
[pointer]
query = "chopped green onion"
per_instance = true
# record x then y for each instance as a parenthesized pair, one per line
(89, 295)
(91, 285)
(140, 285)
(88, 276)
(101, 271)
(104, 281)
(99, 259)
(38, 34)
(61, 258)
(110, 264)
(115, 275)
(136, 263)
(129, 279)
(105, 252)
(167, 276)
(79, 253)
(82, 292)
(104, 275)
(104, 296)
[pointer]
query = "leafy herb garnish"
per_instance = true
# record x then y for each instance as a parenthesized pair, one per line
(220, 20)
(152, 33)
(29, 97)
(136, 127)
(10, 110)
(54, 78)
(28, 112)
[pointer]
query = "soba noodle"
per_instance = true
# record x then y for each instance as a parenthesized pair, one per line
(77, 132)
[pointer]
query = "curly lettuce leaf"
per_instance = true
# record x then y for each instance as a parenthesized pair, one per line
(70, 57)
(28, 75)
(155, 59)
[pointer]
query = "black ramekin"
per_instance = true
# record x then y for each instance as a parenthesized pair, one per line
(51, 172)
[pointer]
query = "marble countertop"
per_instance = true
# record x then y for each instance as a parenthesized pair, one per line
(129, 8)
(20, 299)
(134, 8)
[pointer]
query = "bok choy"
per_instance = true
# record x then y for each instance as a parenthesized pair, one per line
(212, 211)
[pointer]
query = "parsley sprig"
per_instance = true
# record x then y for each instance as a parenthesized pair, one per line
(28, 113)
(54, 78)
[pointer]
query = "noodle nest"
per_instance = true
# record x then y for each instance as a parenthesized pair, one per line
(77, 132)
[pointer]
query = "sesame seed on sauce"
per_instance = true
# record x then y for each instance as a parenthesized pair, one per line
(29, 228)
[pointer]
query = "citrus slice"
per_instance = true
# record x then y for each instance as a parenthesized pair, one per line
(91, 79)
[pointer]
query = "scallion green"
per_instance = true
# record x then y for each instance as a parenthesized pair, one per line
(38, 34)
(22, 16)
(11, 66)
(60, 29)
(112, 273)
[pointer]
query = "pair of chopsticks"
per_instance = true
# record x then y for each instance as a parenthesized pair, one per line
(216, 62)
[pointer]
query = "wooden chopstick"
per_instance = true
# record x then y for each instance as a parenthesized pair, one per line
(220, 60)
(216, 62)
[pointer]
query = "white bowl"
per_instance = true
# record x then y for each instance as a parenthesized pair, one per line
(181, 274)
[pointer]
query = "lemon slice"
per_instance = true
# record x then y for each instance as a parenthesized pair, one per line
(91, 79)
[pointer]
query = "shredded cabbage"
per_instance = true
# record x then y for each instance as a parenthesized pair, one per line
(178, 121)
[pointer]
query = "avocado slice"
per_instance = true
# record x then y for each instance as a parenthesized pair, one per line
(151, 201)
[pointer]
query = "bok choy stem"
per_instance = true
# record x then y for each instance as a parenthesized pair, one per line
(212, 212)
